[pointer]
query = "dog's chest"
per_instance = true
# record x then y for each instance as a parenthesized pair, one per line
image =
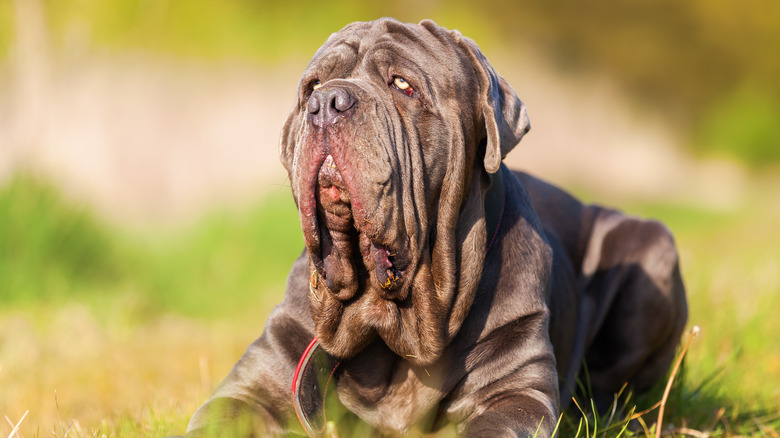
(392, 398)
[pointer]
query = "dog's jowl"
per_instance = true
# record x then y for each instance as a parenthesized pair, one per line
(437, 286)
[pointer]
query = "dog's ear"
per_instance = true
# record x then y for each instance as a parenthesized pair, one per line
(506, 120)
(505, 115)
(287, 140)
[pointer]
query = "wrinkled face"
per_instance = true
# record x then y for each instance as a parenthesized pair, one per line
(380, 149)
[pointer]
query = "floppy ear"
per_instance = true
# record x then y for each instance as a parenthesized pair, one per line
(506, 118)
(506, 121)
(287, 140)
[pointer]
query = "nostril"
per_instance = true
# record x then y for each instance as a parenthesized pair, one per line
(313, 104)
(341, 100)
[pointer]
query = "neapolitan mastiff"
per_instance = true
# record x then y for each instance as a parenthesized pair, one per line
(447, 287)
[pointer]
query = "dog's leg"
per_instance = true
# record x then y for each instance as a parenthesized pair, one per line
(511, 389)
(519, 414)
(255, 398)
(634, 281)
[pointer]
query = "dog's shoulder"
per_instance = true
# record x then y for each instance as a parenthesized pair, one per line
(564, 217)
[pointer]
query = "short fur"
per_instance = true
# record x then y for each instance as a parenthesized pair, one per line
(430, 318)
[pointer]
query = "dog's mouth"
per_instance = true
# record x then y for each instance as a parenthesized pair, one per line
(352, 251)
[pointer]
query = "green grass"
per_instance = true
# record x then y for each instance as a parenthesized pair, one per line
(134, 330)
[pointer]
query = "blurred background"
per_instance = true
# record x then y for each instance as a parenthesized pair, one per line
(146, 225)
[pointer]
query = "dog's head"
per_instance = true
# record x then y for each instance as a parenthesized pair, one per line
(389, 150)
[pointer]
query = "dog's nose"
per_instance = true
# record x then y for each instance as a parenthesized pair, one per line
(328, 105)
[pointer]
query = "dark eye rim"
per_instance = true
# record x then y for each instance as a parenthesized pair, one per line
(308, 89)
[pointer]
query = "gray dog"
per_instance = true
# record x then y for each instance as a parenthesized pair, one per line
(444, 287)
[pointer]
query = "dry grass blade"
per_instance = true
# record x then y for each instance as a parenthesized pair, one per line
(650, 409)
(693, 333)
(718, 416)
(615, 403)
(644, 425)
(330, 430)
(726, 425)
(765, 431)
(585, 417)
(687, 432)
(18, 425)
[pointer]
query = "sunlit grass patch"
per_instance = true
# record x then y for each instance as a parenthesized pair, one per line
(133, 331)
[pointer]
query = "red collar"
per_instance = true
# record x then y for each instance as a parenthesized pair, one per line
(309, 377)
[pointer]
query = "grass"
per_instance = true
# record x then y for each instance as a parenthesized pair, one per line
(107, 332)
(131, 331)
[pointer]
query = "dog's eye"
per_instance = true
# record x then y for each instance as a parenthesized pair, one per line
(401, 84)
(315, 85)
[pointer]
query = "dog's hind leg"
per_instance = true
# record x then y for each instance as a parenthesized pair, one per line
(632, 276)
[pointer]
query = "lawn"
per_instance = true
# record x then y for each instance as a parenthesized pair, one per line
(108, 331)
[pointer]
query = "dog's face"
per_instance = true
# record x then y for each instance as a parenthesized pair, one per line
(389, 150)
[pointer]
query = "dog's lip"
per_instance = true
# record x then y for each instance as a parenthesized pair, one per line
(336, 218)
(388, 266)
(329, 174)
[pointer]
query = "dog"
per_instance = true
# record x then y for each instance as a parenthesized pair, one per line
(445, 287)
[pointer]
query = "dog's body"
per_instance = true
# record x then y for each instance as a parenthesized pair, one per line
(451, 288)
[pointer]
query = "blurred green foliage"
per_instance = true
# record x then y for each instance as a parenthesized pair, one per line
(52, 251)
(691, 60)
(244, 256)
(747, 118)
(261, 30)
(49, 248)
(710, 65)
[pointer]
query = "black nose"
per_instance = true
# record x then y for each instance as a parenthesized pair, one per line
(329, 105)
